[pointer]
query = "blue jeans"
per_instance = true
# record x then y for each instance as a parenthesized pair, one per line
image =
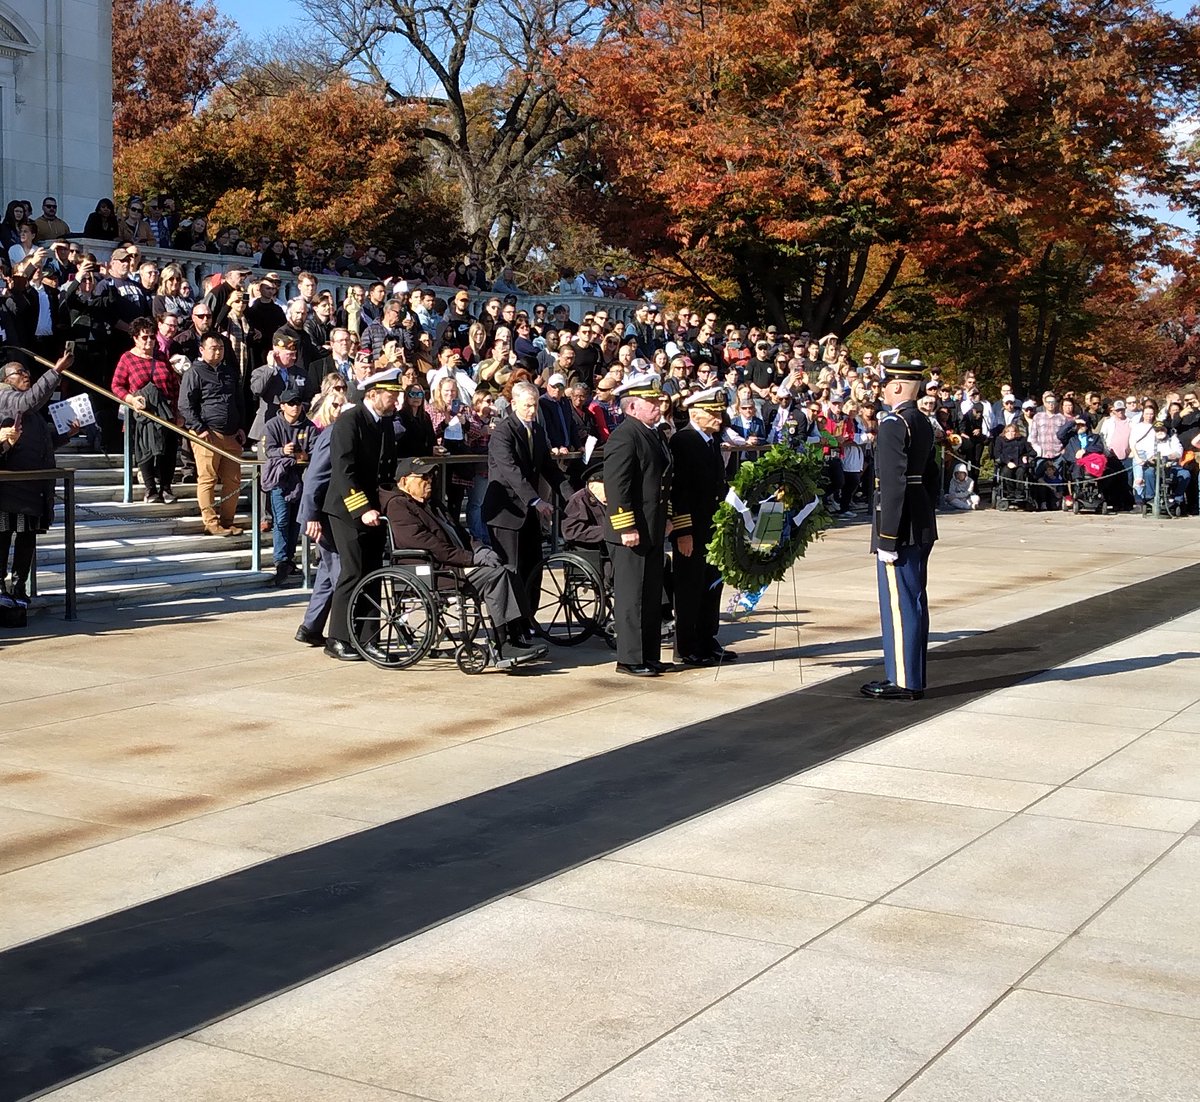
(1178, 479)
(475, 523)
(286, 530)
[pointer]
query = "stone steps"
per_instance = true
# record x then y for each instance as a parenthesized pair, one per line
(139, 554)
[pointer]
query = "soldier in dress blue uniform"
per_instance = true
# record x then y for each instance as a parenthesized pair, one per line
(637, 484)
(907, 482)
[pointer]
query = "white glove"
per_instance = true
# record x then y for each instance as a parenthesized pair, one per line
(887, 556)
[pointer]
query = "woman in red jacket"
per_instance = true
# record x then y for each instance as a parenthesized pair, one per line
(145, 380)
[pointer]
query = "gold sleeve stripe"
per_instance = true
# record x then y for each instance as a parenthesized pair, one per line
(622, 521)
(356, 500)
(683, 520)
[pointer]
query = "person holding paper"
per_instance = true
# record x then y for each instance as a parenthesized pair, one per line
(698, 488)
(26, 508)
(907, 484)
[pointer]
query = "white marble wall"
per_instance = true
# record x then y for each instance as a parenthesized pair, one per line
(56, 104)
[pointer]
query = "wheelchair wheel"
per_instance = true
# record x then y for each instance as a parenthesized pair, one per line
(460, 623)
(570, 605)
(393, 619)
(472, 658)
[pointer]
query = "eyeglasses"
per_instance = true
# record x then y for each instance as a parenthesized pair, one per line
(15, 372)
(198, 314)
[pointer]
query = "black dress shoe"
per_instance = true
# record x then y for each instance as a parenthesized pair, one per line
(636, 671)
(343, 652)
(377, 653)
(662, 667)
(885, 690)
(309, 638)
(699, 661)
(724, 654)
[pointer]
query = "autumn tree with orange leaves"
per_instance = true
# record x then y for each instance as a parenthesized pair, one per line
(168, 56)
(785, 157)
(328, 163)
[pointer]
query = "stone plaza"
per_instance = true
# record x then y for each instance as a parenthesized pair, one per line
(231, 869)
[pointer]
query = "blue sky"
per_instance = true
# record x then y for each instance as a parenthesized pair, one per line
(267, 16)
(270, 15)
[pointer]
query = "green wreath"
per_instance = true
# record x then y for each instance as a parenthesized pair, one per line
(794, 478)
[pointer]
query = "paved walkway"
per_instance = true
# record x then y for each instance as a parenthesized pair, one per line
(748, 885)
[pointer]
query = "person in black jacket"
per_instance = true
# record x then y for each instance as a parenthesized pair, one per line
(697, 488)
(637, 484)
(26, 508)
(518, 455)
(907, 487)
(362, 452)
(416, 522)
(210, 402)
(418, 437)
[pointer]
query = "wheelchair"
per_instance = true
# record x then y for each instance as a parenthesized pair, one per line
(1011, 491)
(572, 598)
(1086, 491)
(411, 608)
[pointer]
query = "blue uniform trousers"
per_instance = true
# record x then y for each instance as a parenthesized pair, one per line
(904, 616)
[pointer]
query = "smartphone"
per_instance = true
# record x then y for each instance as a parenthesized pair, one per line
(68, 348)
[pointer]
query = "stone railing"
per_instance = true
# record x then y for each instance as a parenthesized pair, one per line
(198, 267)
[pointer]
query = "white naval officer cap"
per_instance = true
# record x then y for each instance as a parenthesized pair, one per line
(712, 399)
(644, 385)
(383, 380)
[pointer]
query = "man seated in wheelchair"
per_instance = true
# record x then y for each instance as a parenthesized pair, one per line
(1166, 463)
(1084, 460)
(583, 515)
(1014, 457)
(418, 523)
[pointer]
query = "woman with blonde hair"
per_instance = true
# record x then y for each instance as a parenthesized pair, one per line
(476, 346)
(174, 295)
(327, 406)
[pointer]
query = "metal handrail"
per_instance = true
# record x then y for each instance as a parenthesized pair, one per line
(68, 477)
(254, 464)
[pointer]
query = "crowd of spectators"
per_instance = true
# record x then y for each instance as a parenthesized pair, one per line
(156, 222)
(239, 367)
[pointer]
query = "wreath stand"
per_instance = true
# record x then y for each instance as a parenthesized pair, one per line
(772, 513)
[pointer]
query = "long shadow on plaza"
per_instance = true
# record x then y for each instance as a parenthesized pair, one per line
(75, 1001)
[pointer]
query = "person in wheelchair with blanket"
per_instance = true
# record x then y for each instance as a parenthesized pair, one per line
(1014, 458)
(418, 523)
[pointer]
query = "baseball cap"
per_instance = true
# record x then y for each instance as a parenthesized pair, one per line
(1119, 404)
(290, 397)
(1029, 403)
(238, 269)
(557, 379)
(415, 465)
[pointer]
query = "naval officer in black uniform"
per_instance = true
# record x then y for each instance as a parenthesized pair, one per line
(907, 482)
(362, 454)
(637, 484)
(697, 488)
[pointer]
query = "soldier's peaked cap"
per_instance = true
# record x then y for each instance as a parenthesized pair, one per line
(645, 385)
(904, 372)
(383, 380)
(712, 399)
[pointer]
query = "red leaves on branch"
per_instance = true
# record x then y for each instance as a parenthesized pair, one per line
(168, 56)
(975, 134)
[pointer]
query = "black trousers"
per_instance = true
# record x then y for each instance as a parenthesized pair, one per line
(521, 549)
(637, 601)
(23, 545)
(697, 603)
(500, 591)
(158, 472)
(360, 550)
